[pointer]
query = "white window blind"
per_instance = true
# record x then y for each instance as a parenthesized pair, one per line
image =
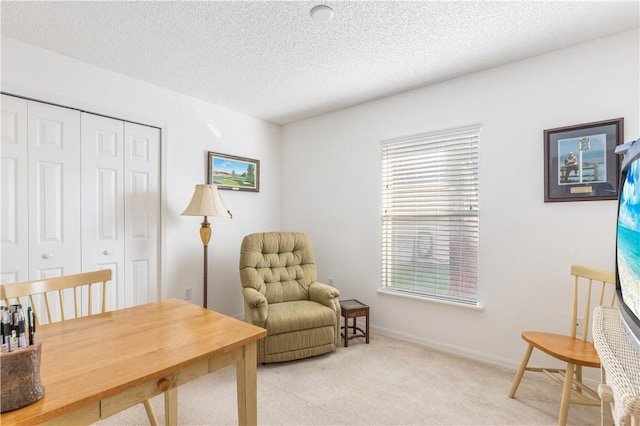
(430, 215)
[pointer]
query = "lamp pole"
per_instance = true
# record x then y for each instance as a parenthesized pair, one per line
(205, 236)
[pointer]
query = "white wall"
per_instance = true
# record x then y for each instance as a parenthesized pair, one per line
(190, 128)
(331, 190)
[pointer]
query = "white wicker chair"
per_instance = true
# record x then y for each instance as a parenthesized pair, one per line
(620, 367)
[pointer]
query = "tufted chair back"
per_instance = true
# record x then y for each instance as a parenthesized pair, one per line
(280, 265)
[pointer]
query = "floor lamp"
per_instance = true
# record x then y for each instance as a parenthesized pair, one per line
(206, 201)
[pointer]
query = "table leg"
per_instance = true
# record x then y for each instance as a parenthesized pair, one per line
(367, 328)
(171, 406)
(246, 376)
(346, 332)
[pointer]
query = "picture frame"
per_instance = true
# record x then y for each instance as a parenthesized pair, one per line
(233, 173)
(580, 163)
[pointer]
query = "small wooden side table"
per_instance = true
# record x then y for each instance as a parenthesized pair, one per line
(353, 309)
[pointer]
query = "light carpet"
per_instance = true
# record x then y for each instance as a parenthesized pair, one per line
(387, 382)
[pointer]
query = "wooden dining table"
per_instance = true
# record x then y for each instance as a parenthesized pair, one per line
(93, 367)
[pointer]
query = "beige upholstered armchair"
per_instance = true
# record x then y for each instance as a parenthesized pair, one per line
(281, 294)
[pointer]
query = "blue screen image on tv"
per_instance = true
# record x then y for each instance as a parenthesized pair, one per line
(628, 244)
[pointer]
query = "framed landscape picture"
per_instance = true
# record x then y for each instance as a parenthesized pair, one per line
(580, 163)
(234, 173)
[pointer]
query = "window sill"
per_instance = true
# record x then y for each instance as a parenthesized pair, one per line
(477, 307)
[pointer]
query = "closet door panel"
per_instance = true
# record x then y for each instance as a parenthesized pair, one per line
(14, 224)
(142, 212)
(54, 190)
(102, 201)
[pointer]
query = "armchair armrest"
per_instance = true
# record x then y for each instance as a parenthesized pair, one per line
(256, 306)
(325, 294)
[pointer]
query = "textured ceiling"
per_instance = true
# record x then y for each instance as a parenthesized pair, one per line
(269, 59)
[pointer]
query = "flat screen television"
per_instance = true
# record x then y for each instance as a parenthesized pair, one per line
(628, 241)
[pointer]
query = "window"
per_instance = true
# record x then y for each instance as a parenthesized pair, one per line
(430, 215)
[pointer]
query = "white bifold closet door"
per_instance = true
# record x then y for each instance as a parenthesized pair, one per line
(54, 190)
(120, 215)
(14, 201)
(79, 192)
(142, 212)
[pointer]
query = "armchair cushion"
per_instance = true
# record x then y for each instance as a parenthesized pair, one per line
(298, 315)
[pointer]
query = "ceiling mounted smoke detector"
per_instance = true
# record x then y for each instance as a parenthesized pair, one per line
(321, 13)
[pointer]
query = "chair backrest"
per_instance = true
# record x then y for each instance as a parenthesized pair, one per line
(591, 288)
(280, 265)
(84, 294)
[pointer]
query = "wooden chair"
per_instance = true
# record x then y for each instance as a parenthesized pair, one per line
(51, 298)
(591, 288)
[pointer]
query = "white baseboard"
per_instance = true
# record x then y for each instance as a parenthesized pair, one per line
(499, 362)
(452, 349)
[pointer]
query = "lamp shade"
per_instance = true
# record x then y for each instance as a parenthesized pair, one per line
(206, 201)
